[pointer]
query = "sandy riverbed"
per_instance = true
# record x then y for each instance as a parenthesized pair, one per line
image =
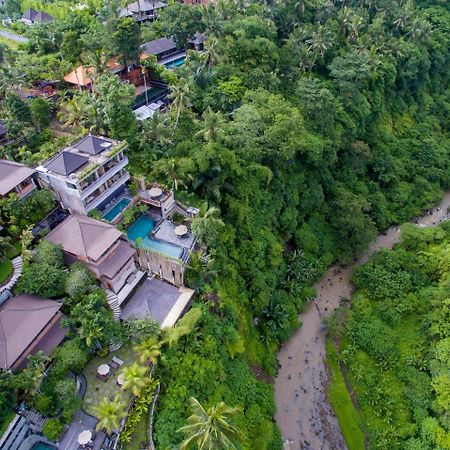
(304, 415)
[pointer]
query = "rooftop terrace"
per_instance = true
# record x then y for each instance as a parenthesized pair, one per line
(78, 159)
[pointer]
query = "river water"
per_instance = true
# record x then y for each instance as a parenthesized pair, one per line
(304, 415)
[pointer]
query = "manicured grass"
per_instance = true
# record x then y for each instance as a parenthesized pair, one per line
(13, 45)
(97, 389)
(140, 434)
(5, 423)
(348, 417)
(6, 270)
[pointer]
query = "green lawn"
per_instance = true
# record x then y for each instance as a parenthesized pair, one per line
(13, 45)
(5, 423)
(140, 434)
(98, 389)
(6, 270)
(348, 417)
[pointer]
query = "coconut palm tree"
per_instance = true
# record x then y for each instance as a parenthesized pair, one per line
(213, 122)
(209, 55)
(180, 96)
(10, 79)
(148, 350)
(210, 428)
(320, 41)
(109, 414)
(135, 378)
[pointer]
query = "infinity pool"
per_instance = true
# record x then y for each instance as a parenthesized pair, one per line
(176, 63)
(141, 229)
(117, 209)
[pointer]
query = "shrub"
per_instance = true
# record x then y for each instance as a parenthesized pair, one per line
(52, 429)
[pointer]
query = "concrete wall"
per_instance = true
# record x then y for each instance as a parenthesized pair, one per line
(168, 269)
(70, 198)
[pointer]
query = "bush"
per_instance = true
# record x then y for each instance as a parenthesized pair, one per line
(52, 429)
(71, 355)
(44, 404)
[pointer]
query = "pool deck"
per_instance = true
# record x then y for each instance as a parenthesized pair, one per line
(158, 300)
(165, 231)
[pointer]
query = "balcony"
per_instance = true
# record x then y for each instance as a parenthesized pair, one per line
(106, 193)
(105, 177)
(26, 190)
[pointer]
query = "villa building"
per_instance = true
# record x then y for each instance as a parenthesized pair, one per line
(142, 10)
(87, 174)
(16, 178)
(31, 16)
(164, 245)
(165, 50)
(104, 250)
(28, 324)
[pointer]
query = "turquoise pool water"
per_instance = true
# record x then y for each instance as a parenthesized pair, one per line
(177, 63)
(42, 446)
(142, 229)
(117, 209)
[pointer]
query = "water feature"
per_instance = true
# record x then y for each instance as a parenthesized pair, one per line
(140, 233)
(305, 417)
(117, 209)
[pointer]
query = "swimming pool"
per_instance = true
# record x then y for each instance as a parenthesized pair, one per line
(42, 446)
(142, 228)
(176, 63)
(117, 209)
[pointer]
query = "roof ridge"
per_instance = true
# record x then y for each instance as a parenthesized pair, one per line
(82, 236)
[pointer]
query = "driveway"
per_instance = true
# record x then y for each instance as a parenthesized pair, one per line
(13, 37)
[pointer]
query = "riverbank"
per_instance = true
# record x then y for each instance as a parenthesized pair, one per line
(304, 415)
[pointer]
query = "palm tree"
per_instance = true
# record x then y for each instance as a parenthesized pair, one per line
(170, 170)
(320, 41)
(109, 414)
(135, 378)
(181, 100)
(213, 122)
(10, 79)
(38, 361)
(148, 350)
(211, 428)
(72, 113)
(209, 55)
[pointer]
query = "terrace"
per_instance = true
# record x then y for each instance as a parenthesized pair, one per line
(98, 389)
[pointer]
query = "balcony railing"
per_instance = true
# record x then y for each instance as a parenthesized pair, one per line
(28, 189)
(105, 194)
(105, 177)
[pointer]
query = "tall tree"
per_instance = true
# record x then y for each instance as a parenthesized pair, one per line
(110, 413)
(210, 428)
(135, 378)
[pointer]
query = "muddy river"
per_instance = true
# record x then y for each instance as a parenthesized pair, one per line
(305, 417)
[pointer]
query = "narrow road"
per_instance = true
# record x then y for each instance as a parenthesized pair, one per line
(305, 417)
(13, 37)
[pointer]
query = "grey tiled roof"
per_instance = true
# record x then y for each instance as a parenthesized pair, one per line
(36, 16)
(158, 46)
(66, 163)
(92, 144)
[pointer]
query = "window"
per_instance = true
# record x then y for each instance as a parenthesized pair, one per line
(71, 185)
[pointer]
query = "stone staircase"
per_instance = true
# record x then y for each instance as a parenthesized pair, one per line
(34, 418)
(113, 303)
(17, 266)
